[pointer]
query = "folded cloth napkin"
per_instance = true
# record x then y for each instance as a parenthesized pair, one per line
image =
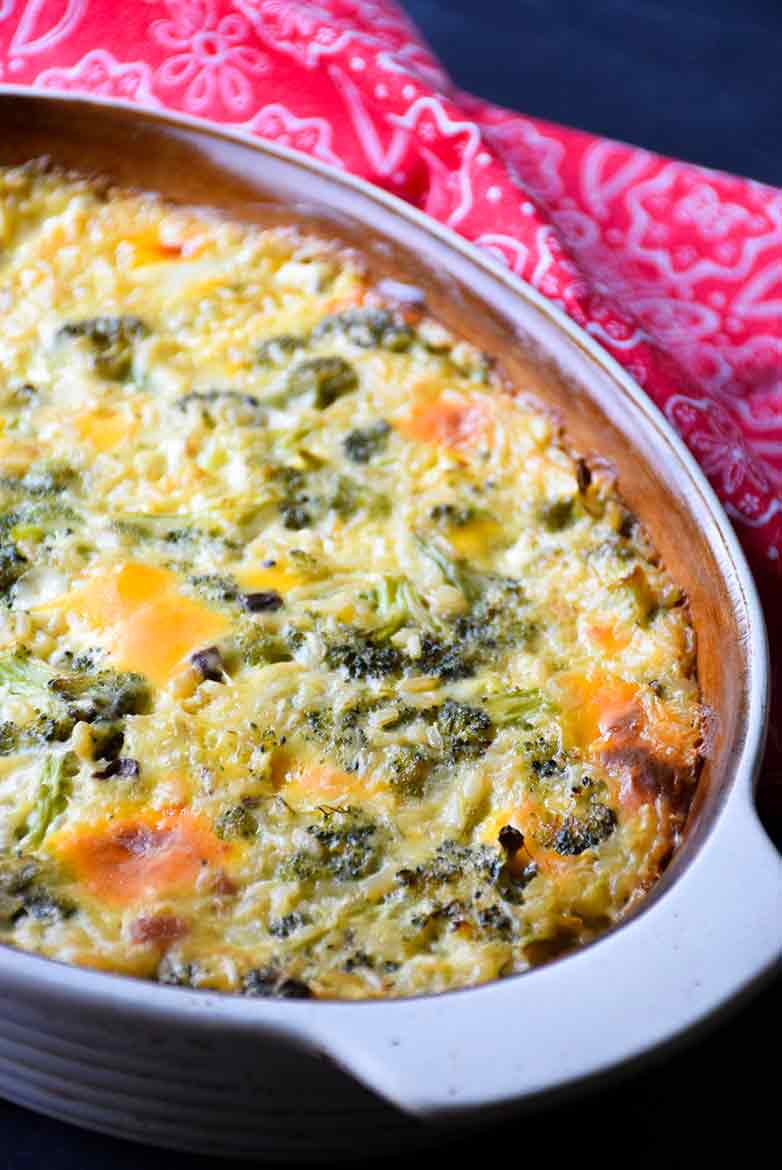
(674, 269)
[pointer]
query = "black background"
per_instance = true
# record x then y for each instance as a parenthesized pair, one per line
(696, 79)
(701, 80)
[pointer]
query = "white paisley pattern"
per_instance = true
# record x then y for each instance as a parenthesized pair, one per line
(212, 59)
(310, 135)
(99, 73)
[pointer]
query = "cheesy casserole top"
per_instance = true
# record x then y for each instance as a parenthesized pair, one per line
(325, 669)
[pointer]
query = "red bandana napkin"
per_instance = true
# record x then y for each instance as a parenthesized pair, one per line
(675, 269)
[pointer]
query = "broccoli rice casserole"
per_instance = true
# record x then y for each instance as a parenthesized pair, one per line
(326, 669)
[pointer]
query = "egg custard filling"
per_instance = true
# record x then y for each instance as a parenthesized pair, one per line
(325, 668)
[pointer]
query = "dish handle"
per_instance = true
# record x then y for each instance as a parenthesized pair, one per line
(696, 949)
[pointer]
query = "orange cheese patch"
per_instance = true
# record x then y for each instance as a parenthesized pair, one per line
(609, 636)
(475, 539)
(592, 704)
(105, 429)
(153, 246)
(123, 862)
(526, 818)
(143, 621)
(276, 576)
(312, 783)
(456, 423)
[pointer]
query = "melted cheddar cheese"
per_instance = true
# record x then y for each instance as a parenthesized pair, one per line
(325, 669)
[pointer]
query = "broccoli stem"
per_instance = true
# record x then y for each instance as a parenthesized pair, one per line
(26, 676)
(456, 573)
(50, 801)
(398, 604)
(517, 708)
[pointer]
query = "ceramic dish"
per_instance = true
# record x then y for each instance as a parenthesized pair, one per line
(288, 1079)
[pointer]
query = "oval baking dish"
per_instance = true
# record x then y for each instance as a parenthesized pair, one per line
(290, 1079)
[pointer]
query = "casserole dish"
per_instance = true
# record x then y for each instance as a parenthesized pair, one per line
(202, 1071)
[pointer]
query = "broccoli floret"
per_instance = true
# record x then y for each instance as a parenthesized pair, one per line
(42, 479)
(483, 870)
(44, 730)
(48, 729)
(12, 565)
(112, 340)
(267, 982)
(347, 846)
(452, 515)
(579, 833)
(257, 646)
(368, 328)
(358, 960)
(545, 768)
(362, 445)
(90, 696)
(174, 973)
(303, 498)
(495, 921)
(363, 655)
(173, 529)
(17, 875)
(349, 497)
(239, 408)
(558, 514)
(494, 622)
(104, 696)
(9, 738)
(451, 862)
(343, 735)
(45, 906)
(467, 732)
(287, 925)
(294, 503)
(327, 729)
(24, 890)
(33, 520)
(409, 768)
(454, 651)
(216, 587)
(276, 350)
(101, 698)
(295, 516)
(448, 660)
(236, 821)
(325, 378)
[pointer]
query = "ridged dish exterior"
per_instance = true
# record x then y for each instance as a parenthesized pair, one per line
(215, 1094)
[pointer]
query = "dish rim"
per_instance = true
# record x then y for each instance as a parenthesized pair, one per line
(294, 1020)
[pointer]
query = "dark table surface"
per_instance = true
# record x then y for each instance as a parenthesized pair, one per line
(697, 79)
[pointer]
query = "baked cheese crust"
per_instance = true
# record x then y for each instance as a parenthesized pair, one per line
(325, 668)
